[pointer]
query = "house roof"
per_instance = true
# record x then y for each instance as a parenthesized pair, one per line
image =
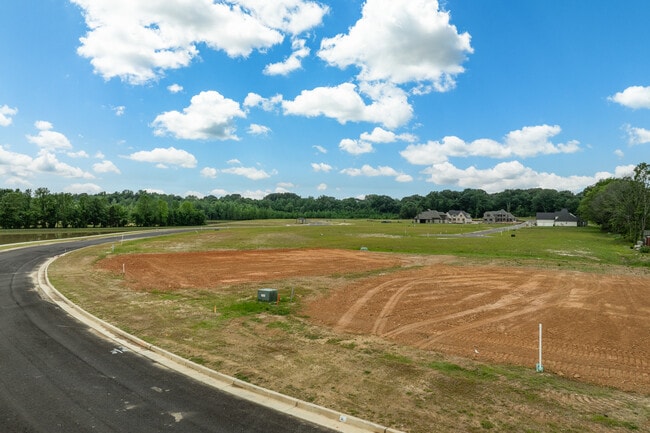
(429, 215)
(459, 212)
(562, 216)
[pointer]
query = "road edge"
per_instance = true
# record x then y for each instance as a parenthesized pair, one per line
(310, 412)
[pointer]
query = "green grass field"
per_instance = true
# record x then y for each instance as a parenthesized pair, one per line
(582, 248)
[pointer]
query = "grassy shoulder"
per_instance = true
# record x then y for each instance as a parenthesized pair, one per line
(276, 346)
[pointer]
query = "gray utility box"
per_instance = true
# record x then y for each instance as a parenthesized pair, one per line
(267, 295)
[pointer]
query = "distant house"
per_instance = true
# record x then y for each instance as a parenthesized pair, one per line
(563, 218)
(430, 217)
(499, 216)
(459, 217)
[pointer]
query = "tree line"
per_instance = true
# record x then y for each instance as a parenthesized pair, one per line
(618, 205)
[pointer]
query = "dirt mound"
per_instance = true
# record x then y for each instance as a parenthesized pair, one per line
(596, 327)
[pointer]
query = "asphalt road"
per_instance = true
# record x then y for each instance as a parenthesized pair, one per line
(57, 375)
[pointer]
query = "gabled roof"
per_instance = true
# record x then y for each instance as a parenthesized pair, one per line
(430, 215)
(562, 216)
(458, 212)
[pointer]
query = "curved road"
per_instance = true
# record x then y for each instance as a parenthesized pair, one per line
(57, 375)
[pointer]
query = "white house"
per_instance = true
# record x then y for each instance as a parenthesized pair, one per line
(563, 218)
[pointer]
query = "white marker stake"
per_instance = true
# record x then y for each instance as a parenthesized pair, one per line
(540, 367)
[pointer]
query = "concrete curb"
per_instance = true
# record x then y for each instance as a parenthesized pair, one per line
(297, 408)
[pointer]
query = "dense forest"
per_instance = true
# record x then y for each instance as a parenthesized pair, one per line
(618, 205)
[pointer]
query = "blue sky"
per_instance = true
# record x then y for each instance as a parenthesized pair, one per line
(342, 98)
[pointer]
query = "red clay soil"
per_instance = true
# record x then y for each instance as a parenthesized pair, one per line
(596, 327)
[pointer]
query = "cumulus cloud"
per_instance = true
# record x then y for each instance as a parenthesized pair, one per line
(633, 97)
(210, 116)
(366, 139)
(255, 129)
(388, 105)
(253, 100)
(81, 188)
(48, 139)
(527, 142)
(369, 171)
(321, 167)
(209, 172)
(139, 41)
(321, 187)
(291, 63)
(251, 173)
(6, 115)
(164, 158)
(380, 135)
(175, 88)
(119, 110)
(290, 16)
(355, 147)
(106, 167)
(509, 175)
(47, 162)
(18, 168)
(637, 135)
(401, 41)
(15, 165)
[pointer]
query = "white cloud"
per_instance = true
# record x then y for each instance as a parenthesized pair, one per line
(175, 88)
(106, 167)
(19, 168)
(401, 41)
(218, 192)
(637, 135)
(47, 162)
(267, 104)
(364, 143)
(210, 116)
(79, 154)
(48, 139)
(6, 115)
(138, 40)
(251, 173)
(389, 106)
(380, 135)
(529, 141)
(119, 111)
(256, 195)
(15, 165)
(163, 158)
(291, 16)
(209, 172)
(233, 161)
(290, 64)
(509, 175)
(81, 188)
(633, 97)
(255, 129)
(619, 153)
(321, 187)
(193, 194)
(321, 167)
(369, 171)
(320, 149)
(355, 147)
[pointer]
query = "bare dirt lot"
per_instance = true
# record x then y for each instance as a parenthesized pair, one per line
(596, 326)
